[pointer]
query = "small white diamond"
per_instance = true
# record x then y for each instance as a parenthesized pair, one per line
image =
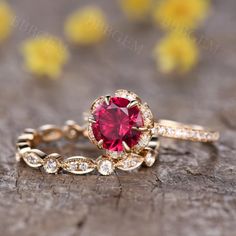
(114, 155)
(184, 134)
(144, 140)
(179, 133)
(32, 159)
(105, 167)
(72, 166)
(170, 131)
(196, 135)
(51, 166)
(161, 130)
(147, 115)
(97, 103)
(83, 166)
(189, 134)
(150, 158)
(78, 165)
(126, 94)
(202, 136)
(129, 163)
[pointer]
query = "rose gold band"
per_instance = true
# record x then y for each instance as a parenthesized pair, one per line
(53, 163)
(176, 130)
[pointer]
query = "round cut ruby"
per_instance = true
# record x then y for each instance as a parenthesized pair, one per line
(114, 124)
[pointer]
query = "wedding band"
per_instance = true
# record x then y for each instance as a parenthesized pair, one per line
(176, 130)
(54, 163)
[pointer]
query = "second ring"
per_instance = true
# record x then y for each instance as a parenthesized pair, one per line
(122, 124)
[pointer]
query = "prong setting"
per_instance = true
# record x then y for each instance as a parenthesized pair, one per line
(91, 119)
(100, 144)
(141, 129)
(107, 99)
(133, 103)
(126, 147)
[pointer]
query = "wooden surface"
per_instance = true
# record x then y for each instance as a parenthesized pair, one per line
(191, 191)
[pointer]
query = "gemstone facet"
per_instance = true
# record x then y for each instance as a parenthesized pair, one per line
(105, 167)
(83, 166)
(51, 165)
(114, 122)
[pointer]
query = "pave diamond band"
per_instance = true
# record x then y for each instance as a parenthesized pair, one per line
(122, 123)
(176, 130)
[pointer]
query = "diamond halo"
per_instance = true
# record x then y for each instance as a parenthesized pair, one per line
(148, 123)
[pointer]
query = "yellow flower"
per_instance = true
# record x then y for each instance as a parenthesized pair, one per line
(176, 52)
(136, 9)
(44, 55)
(6, 20)
(86, 26)
(180, 14)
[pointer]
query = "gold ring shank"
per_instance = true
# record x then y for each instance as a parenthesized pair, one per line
(52, 163)
(176, 130)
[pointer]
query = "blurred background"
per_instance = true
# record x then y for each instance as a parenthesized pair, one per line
(123, 59)
(179, 56)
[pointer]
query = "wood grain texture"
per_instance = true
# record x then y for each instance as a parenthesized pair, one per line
(191, 191)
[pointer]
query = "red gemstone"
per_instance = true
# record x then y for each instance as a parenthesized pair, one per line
(114, 124)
